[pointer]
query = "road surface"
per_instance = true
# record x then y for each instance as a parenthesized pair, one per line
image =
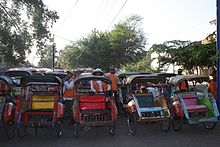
(148, 135)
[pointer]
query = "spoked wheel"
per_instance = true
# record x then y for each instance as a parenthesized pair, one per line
(59, 129)
(112, 129)
(209, 125)
(36, 130)
(10, 129)
(22, 131)
(131, 121)
(76, 129)
(177, 123)
(35, 126)
(165, 125)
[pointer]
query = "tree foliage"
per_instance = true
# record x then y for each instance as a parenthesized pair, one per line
(47, 57)
(188, 54)
(23, 23)
(92, 51)
(123, 45)
(143, 65)
(127, 41)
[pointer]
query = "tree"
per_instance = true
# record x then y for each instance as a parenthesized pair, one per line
(92, 51)
(70, 57)
(123, 45)
(201, 55)
(170, 52)
(190, 55)
(142, 65)
(127, 41)
(47, 57)
(23, 23)
(96, 50)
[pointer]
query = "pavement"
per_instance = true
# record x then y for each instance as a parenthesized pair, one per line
(147, 135)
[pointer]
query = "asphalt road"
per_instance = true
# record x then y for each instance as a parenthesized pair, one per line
(149, 135)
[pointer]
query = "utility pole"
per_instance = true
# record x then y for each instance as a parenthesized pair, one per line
(54, 46)
(53, 51)
(218, 53)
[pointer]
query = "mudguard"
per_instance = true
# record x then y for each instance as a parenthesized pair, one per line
(60, 110)
(9, 110)
(75, 110)
(131, 107)
(177, 108)
(114, 111)
(17, 108)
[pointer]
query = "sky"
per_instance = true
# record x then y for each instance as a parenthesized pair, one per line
(163, 20)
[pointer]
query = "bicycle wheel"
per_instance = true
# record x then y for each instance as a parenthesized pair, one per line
(131, 122)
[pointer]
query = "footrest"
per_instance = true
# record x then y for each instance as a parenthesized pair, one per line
(94, 111)
(152, 109)
(40, 110)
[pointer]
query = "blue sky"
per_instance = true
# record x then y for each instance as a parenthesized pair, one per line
(164, 20)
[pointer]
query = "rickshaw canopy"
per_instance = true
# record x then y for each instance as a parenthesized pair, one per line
(153, 78)
(61, 75)
(198, 78)
(6, 79)
(17, 72)
(5, 90)
(126, 74)
(91, 77)
(40, 79)
(166, 74)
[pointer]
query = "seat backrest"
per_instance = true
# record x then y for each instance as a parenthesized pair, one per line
(189, 99)
(39, 102)
(92, 102)
(145, 100)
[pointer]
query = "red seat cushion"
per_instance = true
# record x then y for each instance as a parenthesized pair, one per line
(92, 98)
(92, 102)
(188, 96)
(191, 103)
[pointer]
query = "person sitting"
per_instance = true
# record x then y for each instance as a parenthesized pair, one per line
(212, 86)
(114, 79)
(142, 89)
(154, 91)
(98, 86)
(183, 85)
(150, 89)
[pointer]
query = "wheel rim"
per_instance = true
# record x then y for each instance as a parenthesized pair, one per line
(177, 123)
(10, 130)
(59, 129)
(112, 129)
(131, 122)
(76, 130)
(210, 125)
(165, 125)
(22, 131)
(36, 130)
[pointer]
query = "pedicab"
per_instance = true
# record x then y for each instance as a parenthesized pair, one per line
(147, 104)
(173, 103)
(122, 87)
(167, 88)
(93, 109)
(61, 75)
(38, 73)
(7, 106)
(16, 74)
(197, 104)
(40, 104)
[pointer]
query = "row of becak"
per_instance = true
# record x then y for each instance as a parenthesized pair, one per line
(37, 101)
